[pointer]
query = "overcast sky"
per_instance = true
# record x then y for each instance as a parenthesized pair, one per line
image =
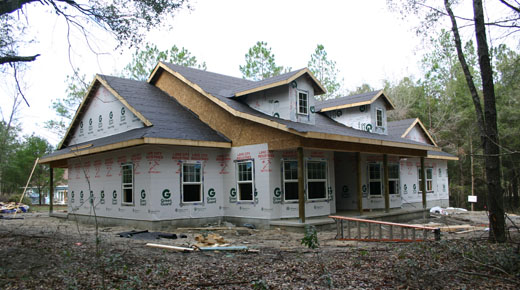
(368, 42)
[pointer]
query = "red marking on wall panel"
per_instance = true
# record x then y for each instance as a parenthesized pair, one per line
(244, 155)
(108, 164)
(223, 161)
(289, 154)
(154, 159)
(97, 168)
(318, 154)
(266, 158)
(199, 156)
(181, 156)
(136, 159)
(86, 169)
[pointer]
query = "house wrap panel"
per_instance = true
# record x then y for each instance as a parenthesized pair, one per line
(105, 116)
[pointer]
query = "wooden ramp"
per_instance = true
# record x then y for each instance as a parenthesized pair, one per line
(378, 231)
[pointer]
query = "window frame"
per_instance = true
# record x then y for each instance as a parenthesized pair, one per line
(429, 181)
(377, 119)
(239, 182)
(308, 180)
(397, 180)
(127, 185)
(298, 105)
(200, 182)
(370, 180)
(285, 180)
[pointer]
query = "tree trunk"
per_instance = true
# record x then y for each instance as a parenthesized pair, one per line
(487, 121)
(461, 180)
(491, 144)
(515, 189)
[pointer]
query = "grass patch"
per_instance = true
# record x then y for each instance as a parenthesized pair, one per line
(45, 208)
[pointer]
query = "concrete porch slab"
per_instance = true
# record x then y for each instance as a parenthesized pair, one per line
(326, 223)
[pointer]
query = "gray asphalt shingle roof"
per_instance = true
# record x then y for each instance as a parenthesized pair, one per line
(210, 81)
(397, 128)
(347, 100)
(169, 119)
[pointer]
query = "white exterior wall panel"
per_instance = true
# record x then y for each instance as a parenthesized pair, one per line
(105, 116)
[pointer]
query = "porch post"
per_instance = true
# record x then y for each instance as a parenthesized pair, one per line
(51, 188)
(359, 185)
(386, 183)
(301, 188)
(423, 183)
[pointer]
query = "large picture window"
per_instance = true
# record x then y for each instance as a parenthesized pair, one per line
(127, 175)
(374, 176)
(316, 180)
(393, 178)
(303, 103)
(245, 180)
(290, 180)
(429, 179)
(191, 182)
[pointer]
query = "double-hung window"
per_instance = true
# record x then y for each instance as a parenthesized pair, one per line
(290, 180)
(303, 103)
(191, 182)
(374, 176)
(245, 180)
(316, 180)
(127, 175)
(429, 179)
(393, 178)
(379, 117)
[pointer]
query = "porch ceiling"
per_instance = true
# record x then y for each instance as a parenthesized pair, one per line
(346, 147)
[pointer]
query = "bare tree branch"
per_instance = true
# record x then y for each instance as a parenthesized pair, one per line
(517, 9)
(16, 58)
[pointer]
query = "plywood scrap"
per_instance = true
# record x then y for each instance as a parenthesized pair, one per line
(168, 247)
(228, 248)
(210, 239)
(459, 228)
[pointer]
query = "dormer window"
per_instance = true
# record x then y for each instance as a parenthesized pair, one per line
(303, 103)
(379, 117)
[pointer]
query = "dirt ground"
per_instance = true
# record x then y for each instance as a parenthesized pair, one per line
(39, 252)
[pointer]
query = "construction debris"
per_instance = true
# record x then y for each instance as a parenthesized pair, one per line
(146, 235)
(210, 240)
(13, 207)
(168, 247)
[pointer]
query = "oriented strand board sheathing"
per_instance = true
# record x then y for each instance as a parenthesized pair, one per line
(241, 131)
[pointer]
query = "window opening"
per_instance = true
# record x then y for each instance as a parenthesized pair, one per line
(245, 181)
(303, 103)
(290, 180)
(374, 175)
(316, 180)
(191, 182)
(393, 178)
(429, 179)
(127, 176)
(379, 117)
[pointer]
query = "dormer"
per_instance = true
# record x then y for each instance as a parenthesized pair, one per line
(366, 112)
(290, 96)
(411, 129)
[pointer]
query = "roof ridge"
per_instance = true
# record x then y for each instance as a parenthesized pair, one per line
(205, 71)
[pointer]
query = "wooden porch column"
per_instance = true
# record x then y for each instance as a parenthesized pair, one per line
(386, 183)
(359, 185)
(301, 188)
(51, 188)
(423, 183)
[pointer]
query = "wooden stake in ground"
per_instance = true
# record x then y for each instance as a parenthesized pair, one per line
(27, 184)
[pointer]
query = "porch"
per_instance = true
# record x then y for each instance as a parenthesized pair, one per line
(399, 215)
